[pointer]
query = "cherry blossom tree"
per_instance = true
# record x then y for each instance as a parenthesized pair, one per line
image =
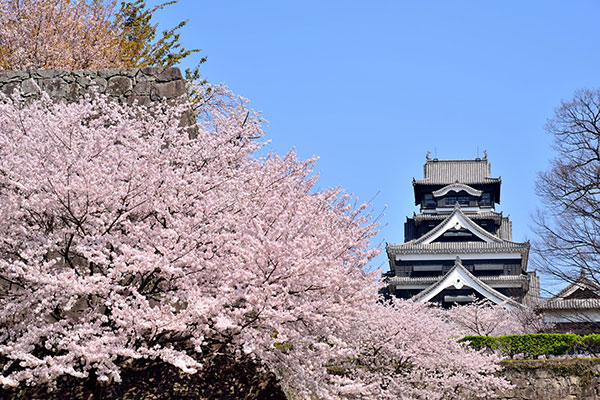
(484, 318)
(122, 237)
(81, 34)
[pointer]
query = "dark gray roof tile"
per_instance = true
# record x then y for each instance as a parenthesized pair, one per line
(469, 171)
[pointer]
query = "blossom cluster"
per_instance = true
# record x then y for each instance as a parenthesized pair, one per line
(70, 34)
(123, 237)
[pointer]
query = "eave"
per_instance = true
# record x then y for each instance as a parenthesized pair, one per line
(420, 185)
(459, 277)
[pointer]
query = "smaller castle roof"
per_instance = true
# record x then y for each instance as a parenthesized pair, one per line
(465, 171)
(568, 299)
(459, 277)
(457, 219)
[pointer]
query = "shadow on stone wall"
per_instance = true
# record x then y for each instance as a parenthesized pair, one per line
(224, 379)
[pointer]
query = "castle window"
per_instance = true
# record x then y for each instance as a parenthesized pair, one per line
(486, 200)
(428, 201)
(452, 200)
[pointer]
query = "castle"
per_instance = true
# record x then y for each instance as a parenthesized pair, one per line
(458, 247)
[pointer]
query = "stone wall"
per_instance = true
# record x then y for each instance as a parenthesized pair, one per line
(225, 378)
(141, 85)
(221, 379)
(569, 379)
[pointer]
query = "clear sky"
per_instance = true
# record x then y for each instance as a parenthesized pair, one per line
(371, 86)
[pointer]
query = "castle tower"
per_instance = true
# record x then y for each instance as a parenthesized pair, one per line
(458, 247)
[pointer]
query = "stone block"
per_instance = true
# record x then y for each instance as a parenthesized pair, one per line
(30, 87)
(84, 72)
(13, 76)
(100, 83)
(169, 74)
(119, 86)
(528, 393)
(143, 77)
(9, 88)
(55, 87)
(588, 392)
(85, 81)
(129, 72)
(574, 380)
(108, 72)
(46, 73)
(169, 90)
(152, 71)
(74, 92)
(69, 78)
(142, 88)
(543, 374)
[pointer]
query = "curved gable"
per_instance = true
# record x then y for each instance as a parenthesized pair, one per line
(459, 277)
(458, 220)
(457, 187)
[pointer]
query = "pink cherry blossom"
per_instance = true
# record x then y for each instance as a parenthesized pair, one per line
(122, 237)
(70, 34)
(484, 318)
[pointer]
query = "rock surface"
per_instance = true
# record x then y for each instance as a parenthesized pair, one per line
(553, 379)
(141, 86)
(126, 85)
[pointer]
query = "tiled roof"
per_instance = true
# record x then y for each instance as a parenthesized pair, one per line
(570, 304)
(452, 171)
(453, 247)
(436, 217)
(580, 283)
(424, 245)
(479, 286)
(558, 301)
(458, 213)
(505, 231)
(404, 280)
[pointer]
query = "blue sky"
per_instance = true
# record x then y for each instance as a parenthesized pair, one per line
(371, 86)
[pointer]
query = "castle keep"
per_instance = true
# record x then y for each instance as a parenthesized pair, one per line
(458, 247)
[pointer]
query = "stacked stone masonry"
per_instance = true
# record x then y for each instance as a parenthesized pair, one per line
(140, 85)
(554, 380)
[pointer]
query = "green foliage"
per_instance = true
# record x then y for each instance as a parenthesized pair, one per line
(535, 345)
(141, 44)
(87, 34)
(284, 347)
